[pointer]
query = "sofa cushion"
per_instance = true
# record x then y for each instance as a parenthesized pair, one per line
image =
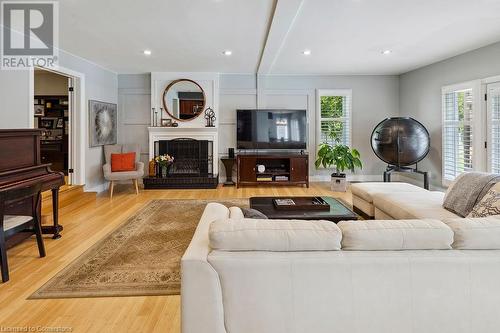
(367, 190)
(274, 235)
(236, 213)
(395, 235)
(475, 233)
(416, 205)
(363, 205)
(467, 190)
(489, 205)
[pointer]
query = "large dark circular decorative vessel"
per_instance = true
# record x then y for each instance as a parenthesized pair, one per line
(400, 141)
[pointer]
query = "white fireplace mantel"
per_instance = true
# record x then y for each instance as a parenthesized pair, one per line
(197, 133)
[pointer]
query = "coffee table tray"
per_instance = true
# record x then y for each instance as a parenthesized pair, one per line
(301, 203)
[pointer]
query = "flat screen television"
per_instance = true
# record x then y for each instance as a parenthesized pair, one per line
(271, 129)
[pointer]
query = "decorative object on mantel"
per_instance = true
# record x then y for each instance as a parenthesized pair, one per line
(164, 163)
(175, 124)
(155, 117)
(184, 100)
(210, 117)
(166, 122)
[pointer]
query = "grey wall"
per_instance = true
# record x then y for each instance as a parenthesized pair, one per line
(134, 110)
(373, 99)
(14, 99)
(420, 93)
(100, 84)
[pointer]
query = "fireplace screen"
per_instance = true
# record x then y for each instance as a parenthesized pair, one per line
(191, 157)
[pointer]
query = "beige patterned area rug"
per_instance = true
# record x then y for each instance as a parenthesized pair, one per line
(139, 258)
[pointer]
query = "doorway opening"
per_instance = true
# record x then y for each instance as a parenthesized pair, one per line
(53, 115)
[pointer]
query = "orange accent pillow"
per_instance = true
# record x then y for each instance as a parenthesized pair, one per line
(123, 162)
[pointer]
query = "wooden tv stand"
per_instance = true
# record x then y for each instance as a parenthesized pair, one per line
(293, 169)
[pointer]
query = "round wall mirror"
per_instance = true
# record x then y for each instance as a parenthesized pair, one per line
(184, 99)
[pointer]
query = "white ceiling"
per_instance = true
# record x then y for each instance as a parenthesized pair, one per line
(183, 35)
(268, 36)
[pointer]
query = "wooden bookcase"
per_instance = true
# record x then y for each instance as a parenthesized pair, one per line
(293, 169)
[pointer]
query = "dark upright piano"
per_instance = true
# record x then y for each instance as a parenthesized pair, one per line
(20, 165)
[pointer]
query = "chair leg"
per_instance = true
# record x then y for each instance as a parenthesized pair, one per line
(111, 186)
(3, 257)
(39, 238)
(136, 186)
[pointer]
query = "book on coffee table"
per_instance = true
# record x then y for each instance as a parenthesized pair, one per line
(284, 202)
(301, 203)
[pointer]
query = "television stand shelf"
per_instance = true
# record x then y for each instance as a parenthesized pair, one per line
(280, 169)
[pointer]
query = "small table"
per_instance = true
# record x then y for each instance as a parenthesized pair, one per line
(228, 165)
(339, 211)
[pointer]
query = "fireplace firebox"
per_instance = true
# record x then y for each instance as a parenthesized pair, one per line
(192, 167)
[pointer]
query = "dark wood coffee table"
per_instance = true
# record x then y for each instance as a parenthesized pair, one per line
(339, 211)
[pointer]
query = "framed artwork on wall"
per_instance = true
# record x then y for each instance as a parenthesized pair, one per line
(40, 110)
(102, 117)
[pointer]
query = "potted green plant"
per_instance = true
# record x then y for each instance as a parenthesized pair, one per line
(342, 157)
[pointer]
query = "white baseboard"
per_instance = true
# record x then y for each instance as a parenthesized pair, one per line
(98, 188)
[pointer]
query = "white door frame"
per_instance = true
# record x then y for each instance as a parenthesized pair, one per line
(78, 117)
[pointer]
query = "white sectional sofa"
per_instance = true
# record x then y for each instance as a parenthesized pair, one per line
(398, 201)
(365, 276)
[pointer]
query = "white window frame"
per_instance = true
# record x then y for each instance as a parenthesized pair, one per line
(489, 130)
(348, 119)
(478, 158)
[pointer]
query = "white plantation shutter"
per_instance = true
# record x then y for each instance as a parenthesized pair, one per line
(494, 128)
(337, 118)
(459, 137)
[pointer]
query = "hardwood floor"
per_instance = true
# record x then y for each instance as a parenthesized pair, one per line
(86, 219)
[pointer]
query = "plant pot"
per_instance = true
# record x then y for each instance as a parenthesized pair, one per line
(339, 182)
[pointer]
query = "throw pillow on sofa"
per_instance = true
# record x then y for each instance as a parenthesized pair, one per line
(489, 204)
(467, 190)
(251, 213)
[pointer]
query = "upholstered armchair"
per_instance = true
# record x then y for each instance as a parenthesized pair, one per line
(113, 177)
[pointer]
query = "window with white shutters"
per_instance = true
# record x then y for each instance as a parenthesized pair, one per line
(494, 127)
(335, 116)
(458, 132)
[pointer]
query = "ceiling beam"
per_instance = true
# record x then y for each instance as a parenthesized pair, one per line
(282, 21)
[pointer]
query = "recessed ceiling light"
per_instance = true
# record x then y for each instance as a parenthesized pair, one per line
(386, 52)
(306, 52)
(227, 52)
(147, 52)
